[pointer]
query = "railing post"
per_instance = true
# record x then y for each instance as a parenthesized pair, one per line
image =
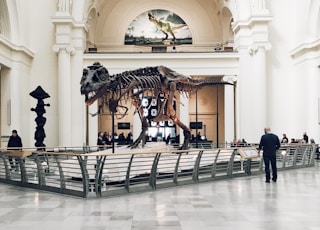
(98, 175)
(230, 163)
(304, 155)
(85, 176)
(153, 174)
(261, 163)
(61, 174)
(127, 182)
(175, 177)
(214, 166)
(285, 157)
(195, 173)
(248, 166)
(313, 153)
(294, 163)
(4, 158)
(41, 177)
(23, 172)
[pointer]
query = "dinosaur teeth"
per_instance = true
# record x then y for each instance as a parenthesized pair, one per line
(92, 94)
(90, 98)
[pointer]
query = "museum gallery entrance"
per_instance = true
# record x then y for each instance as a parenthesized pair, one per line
(207, 107)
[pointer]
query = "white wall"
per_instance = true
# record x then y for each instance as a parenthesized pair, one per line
(291, 65)
(293, 83)
(41, 34)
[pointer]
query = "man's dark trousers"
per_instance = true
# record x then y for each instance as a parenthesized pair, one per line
(267, 160)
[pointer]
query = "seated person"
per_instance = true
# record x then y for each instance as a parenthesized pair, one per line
(100, 142)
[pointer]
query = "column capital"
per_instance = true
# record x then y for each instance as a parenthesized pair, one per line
(58, 48)
(253, 48)
(230, 78)
(252, 33)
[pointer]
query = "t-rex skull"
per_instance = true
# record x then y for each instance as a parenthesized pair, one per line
(93, 79)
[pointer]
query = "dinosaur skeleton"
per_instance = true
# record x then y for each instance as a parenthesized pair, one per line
(160, 83)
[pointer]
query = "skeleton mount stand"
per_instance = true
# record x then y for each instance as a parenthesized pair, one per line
(113, 104)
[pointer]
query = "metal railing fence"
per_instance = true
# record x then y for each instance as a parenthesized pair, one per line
(85, 173)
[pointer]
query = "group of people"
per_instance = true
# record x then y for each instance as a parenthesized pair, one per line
(122, 140)
(239, 143)
(198, 137)
(105, 139)
(285, 140)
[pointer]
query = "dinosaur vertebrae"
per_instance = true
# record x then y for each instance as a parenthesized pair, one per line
(149, 82)
(130, 83)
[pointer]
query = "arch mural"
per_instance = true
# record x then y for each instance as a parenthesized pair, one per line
(158, 27)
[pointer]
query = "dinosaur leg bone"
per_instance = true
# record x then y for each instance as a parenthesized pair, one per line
(144, 124)
(161, 116)
(172, 114)
(186, 132)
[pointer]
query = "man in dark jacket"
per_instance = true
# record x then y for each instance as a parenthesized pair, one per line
(269, 144)
(14, 143)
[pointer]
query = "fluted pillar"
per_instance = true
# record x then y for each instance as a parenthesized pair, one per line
(64, 95)
(251, 42)
(136, 126)
(69, 44)
(80, 118)
(15, 100)
(230, 108)
(184, 114)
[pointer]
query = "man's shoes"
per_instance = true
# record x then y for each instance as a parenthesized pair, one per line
(267, 181)
(274, 180)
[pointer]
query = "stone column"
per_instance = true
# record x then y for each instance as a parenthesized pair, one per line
(252, 106)
(252, 95)
(136, 126)
(64, 7)
(79, 116)
(259, 91)
(184, 114)
(64, 95)
(64, 26)
(15, 92)
(229, 108)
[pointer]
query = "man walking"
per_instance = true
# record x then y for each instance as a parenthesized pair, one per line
(269, 144)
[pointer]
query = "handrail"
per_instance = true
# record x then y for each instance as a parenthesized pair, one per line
(101, 174)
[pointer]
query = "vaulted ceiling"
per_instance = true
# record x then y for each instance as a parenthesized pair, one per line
(208, 21)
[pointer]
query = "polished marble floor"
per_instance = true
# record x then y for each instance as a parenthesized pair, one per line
(241, 203)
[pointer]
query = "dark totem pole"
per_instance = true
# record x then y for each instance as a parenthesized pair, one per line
(39, 135)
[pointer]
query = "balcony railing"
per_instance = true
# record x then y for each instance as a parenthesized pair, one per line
(84, 172)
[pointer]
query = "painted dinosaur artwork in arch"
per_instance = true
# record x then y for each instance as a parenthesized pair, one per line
(158, 27)
(158, 82)
(165, 27)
